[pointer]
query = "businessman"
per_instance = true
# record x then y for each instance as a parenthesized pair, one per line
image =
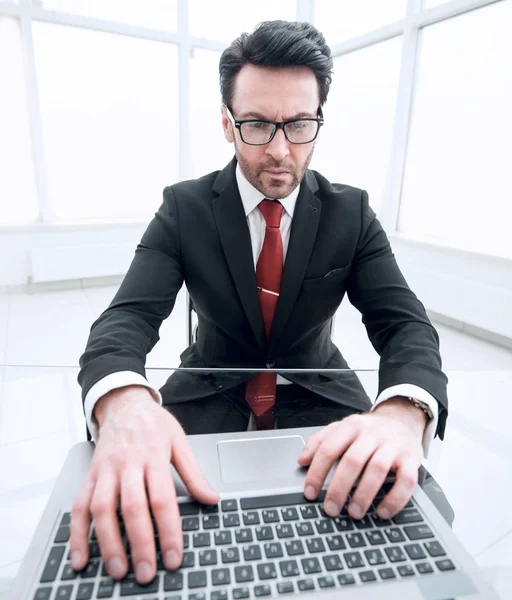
(267, 249)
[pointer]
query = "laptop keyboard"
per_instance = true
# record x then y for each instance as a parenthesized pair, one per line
(265, 546)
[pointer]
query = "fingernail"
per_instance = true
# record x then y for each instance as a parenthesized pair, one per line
(143, 572)
(355, 510)
(384, 513)
(309, 492)
(171, 560)
(76, 559)
(331, 508)
(305, 450)
(115, 568)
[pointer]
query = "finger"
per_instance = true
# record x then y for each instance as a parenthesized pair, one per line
(331, 448)
(164, 506)
(401, 492)
(350, 467)
(314, 442)
(80, 524)
(106, 523)
(137, 520)
(374, 475)
(189, 471)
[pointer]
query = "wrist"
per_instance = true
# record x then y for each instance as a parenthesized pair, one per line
(401, 408)
(115, 400)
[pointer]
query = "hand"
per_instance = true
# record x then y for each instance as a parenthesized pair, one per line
(370, 445)
(137, 441)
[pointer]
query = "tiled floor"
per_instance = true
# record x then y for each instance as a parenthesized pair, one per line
(41, 416)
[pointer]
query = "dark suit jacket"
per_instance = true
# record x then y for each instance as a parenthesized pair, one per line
(200, 236)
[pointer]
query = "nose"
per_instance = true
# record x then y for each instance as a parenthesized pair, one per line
(278, 148)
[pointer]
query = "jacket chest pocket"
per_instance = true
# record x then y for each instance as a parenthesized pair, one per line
(333, 280)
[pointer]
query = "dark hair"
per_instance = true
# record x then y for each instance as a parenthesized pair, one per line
(277, 44)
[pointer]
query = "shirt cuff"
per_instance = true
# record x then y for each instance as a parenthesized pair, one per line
(418, 393)
(107, 384)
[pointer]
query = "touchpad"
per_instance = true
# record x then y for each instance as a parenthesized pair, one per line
(261, 459)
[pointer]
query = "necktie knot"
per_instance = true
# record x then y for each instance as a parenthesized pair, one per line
(272, 211)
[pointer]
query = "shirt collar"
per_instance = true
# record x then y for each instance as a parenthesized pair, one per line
(251, 197)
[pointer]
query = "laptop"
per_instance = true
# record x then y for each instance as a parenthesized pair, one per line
(263, 540)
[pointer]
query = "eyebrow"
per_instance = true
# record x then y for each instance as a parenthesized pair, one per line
(260, 117)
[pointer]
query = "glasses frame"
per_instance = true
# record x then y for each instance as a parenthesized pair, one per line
(277, 125)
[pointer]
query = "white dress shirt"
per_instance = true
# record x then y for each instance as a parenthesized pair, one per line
(251, 197)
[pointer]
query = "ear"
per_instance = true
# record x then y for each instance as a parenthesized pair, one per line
(227, 126)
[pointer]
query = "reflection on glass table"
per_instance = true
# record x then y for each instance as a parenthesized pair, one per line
(42, 418)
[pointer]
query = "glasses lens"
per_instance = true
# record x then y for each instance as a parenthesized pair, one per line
(256, 132)
(301, 132)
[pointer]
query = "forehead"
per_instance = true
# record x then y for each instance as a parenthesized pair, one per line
(275, 92)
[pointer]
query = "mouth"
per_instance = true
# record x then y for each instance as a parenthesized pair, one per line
(277, 171)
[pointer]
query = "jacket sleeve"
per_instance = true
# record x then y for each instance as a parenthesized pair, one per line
(396, 321)
(127, 330)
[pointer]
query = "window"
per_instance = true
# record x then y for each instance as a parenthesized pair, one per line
(457, 181)
(355, 142)
(18, 199)
(340, 21)
(109, 110)
(154, 14)
(225, 20)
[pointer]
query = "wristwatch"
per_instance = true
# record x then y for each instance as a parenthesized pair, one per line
(422, 406)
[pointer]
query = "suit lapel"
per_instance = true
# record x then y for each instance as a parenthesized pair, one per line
(302, 238)
(234, 235)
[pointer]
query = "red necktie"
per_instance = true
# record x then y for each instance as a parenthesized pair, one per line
(260, 392)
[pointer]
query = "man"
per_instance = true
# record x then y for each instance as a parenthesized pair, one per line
(227, 236)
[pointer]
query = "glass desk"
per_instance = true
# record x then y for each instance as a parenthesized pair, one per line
(42, 418)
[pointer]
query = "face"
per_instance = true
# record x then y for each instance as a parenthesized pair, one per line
(274, 94)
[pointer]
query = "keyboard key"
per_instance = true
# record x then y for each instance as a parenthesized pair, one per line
(285, 587)
(375, 537)
(434, 549)
(207, 558)
(270, 516)
(244, 573)
(267, 571)
(64, 592)
(406, 570)
(196, 579)
(289, 568)
(315, 545)
(374, 557)
(189, 523)
(346, 579)
(222, 537)
(387, 573)
(188, 560)
(343, 524)
(91, 569)
(305, 585)
(243, 536)
(273, 550)
(326, 582)
(418, 532)
(395, 554)
(264, 533)
(335, 542)
(324, 526)
(43, 593)
(367, 576)
(294, 548)
(305, 529)
(188, 508)
(381, 522)
(310, 565)
(230, 555)
(201, 540)
(424, 568)
(130, 587)
(219, 595)
(240, 593)
(197, 596)
(68, 573)
(354, 560)
(211, 522)
(274, 500)
(229, 505)
(414, 551)
(251, 518)
(85, 591)
(94, 550)
(309, 512)
(173, 582)
(231, 520)
(106, 588)
(332, 562)
(410, 515)
(252, 553)
(290, 514)
(356, 540)
(364, 523)
(52, 564)
(186, 540)
(394, 535)
(284, 531)
(221, 576)
(209, 508)
(262, 590)
(445, 565)
(66, 519)
(62, 535)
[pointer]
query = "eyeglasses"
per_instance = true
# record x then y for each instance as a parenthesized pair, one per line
(256, 132)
